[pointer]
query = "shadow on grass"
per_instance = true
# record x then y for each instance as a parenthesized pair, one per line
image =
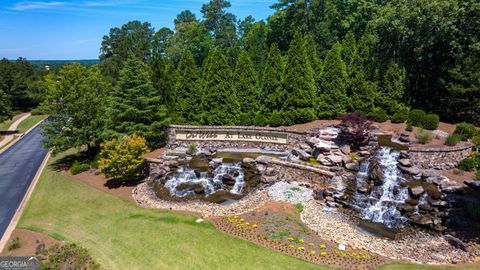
(8, 132)
(114, 184)
(64, 163)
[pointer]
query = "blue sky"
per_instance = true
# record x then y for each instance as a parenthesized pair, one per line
(73, 29)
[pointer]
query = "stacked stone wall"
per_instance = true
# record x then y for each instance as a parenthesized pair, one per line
(440, 158)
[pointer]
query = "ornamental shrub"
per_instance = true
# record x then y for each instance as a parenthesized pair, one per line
(465, 130)
(259, 120)
(431, 121)
(416, 117)
(467, 164)
(123, 159)
(245, 119)
(276, 119)
(423, 138)
(301, 115)
(399, 117)
(409, 127)
(379, 115)
(476, 141)
(79, 168)
(452, 139)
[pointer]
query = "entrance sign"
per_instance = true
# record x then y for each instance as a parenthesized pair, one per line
(231, 135)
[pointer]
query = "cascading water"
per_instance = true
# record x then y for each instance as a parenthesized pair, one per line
(186, 181)
(379, 203)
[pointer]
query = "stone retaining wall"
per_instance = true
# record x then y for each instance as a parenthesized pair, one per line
(214, 137)
(441, 158)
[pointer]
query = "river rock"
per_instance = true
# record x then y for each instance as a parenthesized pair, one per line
(416, 191)
(410, 170)
(345, 149)
(215, 162)
(474, 184)
(425, 207)
(305, 147)
(303, 155)
(405, 208)
(322, 160)
(334, 159)
(248, 160)
(353, 166)
(422, 220)
(313, 140)
(376, 172)
(263, 159)
(405, 162)
(323, 146)
(456, 242)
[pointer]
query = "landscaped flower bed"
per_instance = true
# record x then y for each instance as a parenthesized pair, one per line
(282, 230)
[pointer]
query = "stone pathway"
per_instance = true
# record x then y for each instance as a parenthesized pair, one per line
(8, 138)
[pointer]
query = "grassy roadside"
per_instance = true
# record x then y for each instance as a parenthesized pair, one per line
(5, 124)
(29, 122)
(121, 235)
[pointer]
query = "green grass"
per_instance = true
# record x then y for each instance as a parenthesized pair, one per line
(121, 235)
(5, 124)
(29, 122)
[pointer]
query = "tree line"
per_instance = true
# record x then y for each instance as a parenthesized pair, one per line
(311, 59)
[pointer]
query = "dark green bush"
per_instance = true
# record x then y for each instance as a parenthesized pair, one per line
(423, 138)
(431, 121)
(465, 130)
(399, 117)
(409, 127)
(259, 120)
(276, 119)
(245, 119)
(477, 174)
(15, 244)
(416, 117)
(378, 114)
(467, 164)
(79, 168)
(38, 111)
(476, 141)
(452, 139)
(299, 116)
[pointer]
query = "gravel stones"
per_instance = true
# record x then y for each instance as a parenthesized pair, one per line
(291, 192)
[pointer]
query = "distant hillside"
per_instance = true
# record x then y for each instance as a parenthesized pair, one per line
(56, 63)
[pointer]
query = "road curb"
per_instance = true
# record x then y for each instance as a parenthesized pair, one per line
(23, 203)
(11, 143)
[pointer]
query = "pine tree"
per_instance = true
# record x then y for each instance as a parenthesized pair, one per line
(333, 97)
(188, 94)
(299, 84)
(392, 89)
(220, 104)
(135, 107)
(362, 92)
(314, 58)
(272, 91)
(245, 80)
(163, 79)
(349, 50)
(5, 107)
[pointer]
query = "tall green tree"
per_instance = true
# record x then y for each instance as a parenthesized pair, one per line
(392, 89)
(349, 49)
(362, 92)
(220, 22)
(75, 100)
(313, 57)
(333, 96)
(163, 79)
(188, 92)
(272, 88)
(133, 39)
(299, 83)
(246, 86)
(134, 106)
(220, 103)
(255, 43)
(5, 107)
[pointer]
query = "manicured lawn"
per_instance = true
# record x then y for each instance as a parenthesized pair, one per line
(121, 235)
(5, 124)
(29, 122)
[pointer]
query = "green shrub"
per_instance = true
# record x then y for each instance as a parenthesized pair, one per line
(409, 127)
(465, 130)
(245, 119)
(299, 207)
(299, 116)
(416, 117)
(79, 168)
(452, 139)
(476, 141)
(192, 149)
(477, 174)
(276, 119)
(38, 111)
(259, 120)
(467, 164)
(379, 115)
(423, 138)
(123, 159)
(16, 243)
(69, 256)
(399, 117)
(431, 121)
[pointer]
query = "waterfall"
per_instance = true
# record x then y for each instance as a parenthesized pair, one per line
(185, 181)
(379, 205)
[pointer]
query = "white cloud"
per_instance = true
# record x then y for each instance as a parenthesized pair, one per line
(29, 5)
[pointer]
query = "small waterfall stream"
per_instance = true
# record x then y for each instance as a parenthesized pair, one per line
(187, 181)
(378, 204)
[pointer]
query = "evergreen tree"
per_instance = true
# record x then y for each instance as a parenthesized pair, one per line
(392, 89)
(333, 97)
(163, 78)
(299, 84)
(362, 92)
(188, 97)
(349, 50)
(5, 108)
(135, 107)
(245, 80)
(313, 57)
(220, 104)
(272, 91)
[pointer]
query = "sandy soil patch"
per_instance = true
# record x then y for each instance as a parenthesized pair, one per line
(30, 242)
(100, 182)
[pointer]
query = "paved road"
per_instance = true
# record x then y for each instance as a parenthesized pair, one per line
(18, 166)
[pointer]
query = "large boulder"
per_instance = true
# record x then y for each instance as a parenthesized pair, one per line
(474, 184)
(422, 220)
(375, 172)
(312, 141)
(405, 162)
(263, 159)
(301, 154)
(416, 191)
(410, 170)
(328, 134)
(404, 208)
(353, 166)
(334, 159)
(323, 146)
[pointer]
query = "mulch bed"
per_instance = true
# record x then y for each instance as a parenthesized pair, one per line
(278, 226)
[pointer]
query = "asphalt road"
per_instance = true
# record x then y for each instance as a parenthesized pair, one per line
(18, 166)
